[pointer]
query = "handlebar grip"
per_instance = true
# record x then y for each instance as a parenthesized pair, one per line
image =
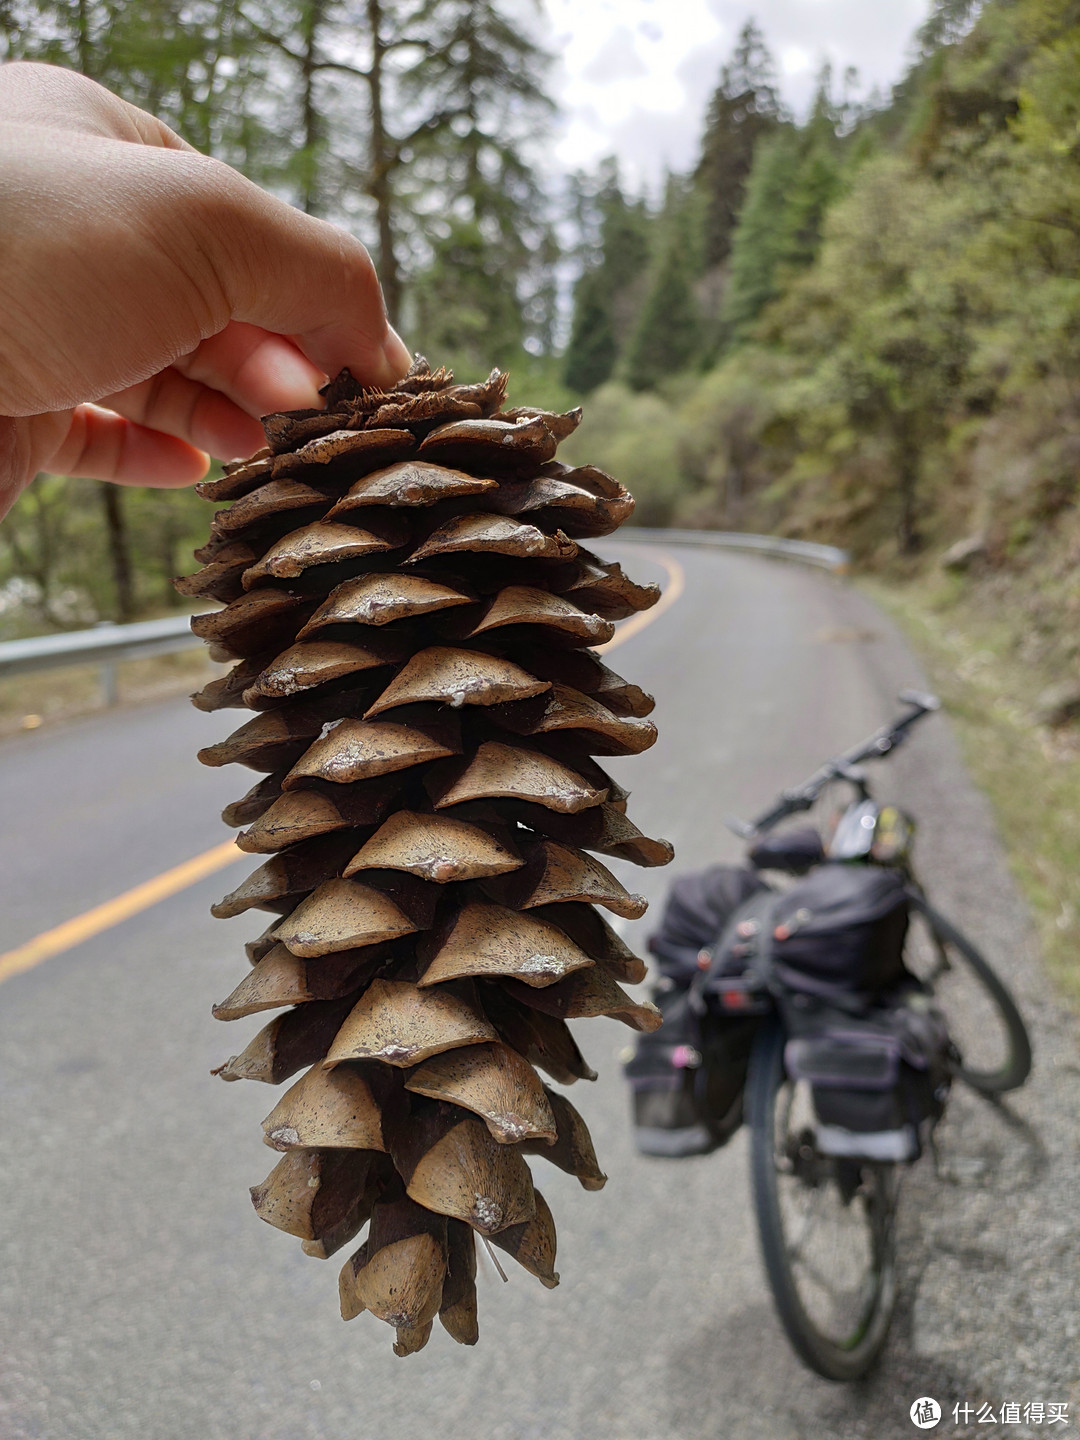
(880, 744)
(789, 805)
(922, 699)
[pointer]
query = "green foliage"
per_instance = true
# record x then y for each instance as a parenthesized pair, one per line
(760, 240)
(902, 313)
(410, 121)
(646, 305)
(402, 119)
(632, 436)
(593, 350)
(189, 63)
(55, 565)
(615, 248)
(905, 303)
(478, 209)
(979, 659)
(795, 178)
(667, 335)
(537, 380)
(744, 108)
(863, 328)
(466, 305)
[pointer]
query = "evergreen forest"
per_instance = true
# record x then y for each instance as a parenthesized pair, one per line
(860, 325)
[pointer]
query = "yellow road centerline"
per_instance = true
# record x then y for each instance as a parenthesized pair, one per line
(103, 917)
(112, 912)
(672, 591)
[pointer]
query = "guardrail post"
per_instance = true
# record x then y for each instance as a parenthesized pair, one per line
(110, 687)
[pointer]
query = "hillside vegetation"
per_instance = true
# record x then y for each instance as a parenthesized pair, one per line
(874, 341)
(879, 345)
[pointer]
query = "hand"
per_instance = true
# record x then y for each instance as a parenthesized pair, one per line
(178, 297)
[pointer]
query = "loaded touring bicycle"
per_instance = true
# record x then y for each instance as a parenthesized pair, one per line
(832, 1008)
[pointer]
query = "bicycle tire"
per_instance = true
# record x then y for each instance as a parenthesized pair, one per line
(835, 1361)
(1017, 1066)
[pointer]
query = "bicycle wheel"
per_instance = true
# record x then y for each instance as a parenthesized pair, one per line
(983, 1020)
(827, 1226)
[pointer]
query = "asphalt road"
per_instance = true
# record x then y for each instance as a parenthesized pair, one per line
(141, 1298)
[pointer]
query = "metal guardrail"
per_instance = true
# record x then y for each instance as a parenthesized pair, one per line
(104, 645)
(107, 644)
(826, 557)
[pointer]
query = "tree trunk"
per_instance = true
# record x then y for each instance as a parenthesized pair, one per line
(119, 550)
(379, 165)
(311, 198)
(908, 537)
(115, 527)
(169, 536)
(86, 53)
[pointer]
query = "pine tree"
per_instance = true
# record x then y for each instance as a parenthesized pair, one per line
(467, 299)
(593, 350)
(668, 333)
(406, 120)
(948, 22)
(795, 178)
(189, 66)
(483, 213)
(409, 603)
(399, 118)
(328, 79)
(615, 255)
(744, 107)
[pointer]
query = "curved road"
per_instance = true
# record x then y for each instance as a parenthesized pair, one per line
(140, 1297)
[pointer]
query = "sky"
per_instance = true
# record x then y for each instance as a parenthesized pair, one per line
(633, 77)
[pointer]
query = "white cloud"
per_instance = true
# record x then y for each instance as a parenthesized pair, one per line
(634, 76)
(617, 59)
(794, 60)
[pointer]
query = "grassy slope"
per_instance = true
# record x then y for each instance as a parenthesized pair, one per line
(1030, 771)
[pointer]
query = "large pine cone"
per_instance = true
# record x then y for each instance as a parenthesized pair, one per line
(410, 609)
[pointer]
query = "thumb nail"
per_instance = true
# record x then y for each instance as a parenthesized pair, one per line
(396, 355)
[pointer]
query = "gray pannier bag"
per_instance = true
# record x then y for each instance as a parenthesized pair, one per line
(879, 1083)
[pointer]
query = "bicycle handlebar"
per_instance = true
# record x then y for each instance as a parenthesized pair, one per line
(881, 743)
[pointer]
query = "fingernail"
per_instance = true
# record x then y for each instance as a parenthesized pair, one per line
(297, 378)
(396, 355)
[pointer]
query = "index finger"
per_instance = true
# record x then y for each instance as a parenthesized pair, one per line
(51, 95)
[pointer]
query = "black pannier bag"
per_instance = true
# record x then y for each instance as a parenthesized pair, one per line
(878, 1084)
(696, 914)
(839, 934)
(829, 951)
(687, 1080)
